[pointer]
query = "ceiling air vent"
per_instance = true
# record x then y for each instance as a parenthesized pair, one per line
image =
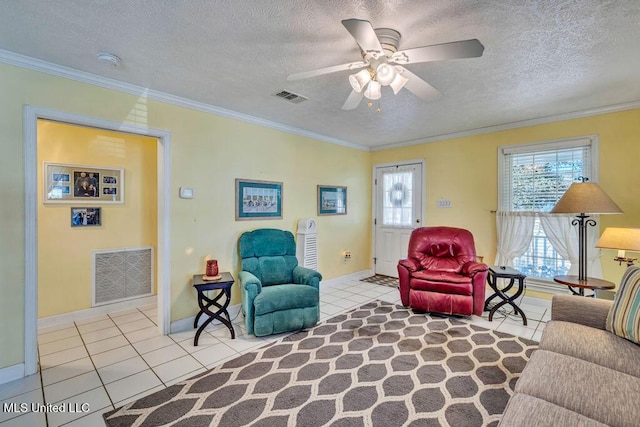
(291, 97)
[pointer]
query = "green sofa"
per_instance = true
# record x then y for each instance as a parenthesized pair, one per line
(278, 295)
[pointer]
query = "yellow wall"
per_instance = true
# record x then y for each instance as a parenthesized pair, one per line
(465, 171)
(207, 153)
(222, 150)
(65, 253)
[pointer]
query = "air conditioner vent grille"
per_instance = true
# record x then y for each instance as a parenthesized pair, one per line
(291, 97)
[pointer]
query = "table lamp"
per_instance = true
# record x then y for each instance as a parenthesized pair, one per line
(622, 239)
(584, 198)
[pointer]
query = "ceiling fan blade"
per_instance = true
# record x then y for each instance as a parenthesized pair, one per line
(327, 70)
(417, 86)
(366, 38)
(439, 52)
(353, 100)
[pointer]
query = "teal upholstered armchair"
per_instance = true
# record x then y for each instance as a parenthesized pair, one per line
(278, 295)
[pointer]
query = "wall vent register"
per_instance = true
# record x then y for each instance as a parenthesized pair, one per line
(122, 274)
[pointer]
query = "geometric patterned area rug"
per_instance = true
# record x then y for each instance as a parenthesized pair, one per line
(380, 279)
(377, 365)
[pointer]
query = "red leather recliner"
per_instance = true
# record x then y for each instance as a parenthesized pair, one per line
(441, 273)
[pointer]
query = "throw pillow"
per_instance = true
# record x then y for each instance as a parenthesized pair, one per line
(624, 316)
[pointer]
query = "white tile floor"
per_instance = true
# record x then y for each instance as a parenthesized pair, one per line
(113, 359)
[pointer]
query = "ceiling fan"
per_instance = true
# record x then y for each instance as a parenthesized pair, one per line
(382, 63)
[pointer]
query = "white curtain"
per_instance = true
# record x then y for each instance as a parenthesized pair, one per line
(515, 231)
(564, 238)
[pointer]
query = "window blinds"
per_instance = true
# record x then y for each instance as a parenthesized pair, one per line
(534, 177)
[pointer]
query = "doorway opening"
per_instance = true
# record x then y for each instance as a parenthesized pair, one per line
(35, 201)
(398, 208)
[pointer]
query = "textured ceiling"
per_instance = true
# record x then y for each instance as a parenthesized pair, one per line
(541, 58)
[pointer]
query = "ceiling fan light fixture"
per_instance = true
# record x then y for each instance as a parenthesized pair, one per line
(373, 90)
(385, 74)
(359, 80)
(398, 83)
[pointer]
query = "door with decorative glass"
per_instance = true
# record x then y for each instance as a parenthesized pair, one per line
(398, 211)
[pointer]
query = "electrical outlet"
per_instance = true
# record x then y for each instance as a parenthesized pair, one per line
(444, 203)
(347, 256)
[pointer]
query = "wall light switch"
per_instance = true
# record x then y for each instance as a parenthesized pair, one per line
(186, 193)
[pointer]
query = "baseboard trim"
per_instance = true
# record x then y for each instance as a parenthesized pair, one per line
(352, 276)
(550, 288)
(11, 373)
(47, 322)
(187, 323)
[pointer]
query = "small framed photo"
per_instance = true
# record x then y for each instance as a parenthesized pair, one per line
(332, 200)
(258, 200)
(65, 183)
(86, 217)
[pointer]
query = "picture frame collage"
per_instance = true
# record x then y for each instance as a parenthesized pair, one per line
(71, 183)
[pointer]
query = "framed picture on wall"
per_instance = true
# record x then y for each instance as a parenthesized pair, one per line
(258, 200)
(332, 200)
(66, 183)
(86, 217)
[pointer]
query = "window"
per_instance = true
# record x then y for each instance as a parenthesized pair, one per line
(397, 207)
(533, 178)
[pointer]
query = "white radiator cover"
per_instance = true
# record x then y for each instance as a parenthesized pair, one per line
(307, 246)
(122, 274)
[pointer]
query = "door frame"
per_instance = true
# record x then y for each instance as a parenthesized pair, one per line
(30, 119)
(374, 198)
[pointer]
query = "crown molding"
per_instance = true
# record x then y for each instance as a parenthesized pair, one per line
(514, 125)
(39, 65)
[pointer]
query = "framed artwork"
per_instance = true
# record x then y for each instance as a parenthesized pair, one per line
(332, 200)
(64, 183)
(86, 217)
(258, 200)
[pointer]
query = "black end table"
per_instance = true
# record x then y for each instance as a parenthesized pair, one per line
(499, 272)
(224, 286)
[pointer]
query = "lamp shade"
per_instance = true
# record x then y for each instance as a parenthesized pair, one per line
(373, 90)
(398, 83)
(627, 239)
(385, 74)
(359, 80)
(586, 197)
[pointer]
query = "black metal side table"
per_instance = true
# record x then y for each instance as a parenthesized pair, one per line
(224, 286)
(500, 272)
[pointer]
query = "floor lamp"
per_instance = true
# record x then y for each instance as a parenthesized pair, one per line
(584, 198)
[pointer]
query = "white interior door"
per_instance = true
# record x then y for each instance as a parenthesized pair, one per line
(398, 211)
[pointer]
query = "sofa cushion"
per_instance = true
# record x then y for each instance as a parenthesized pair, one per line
(286, 320)
(624, 316)
(528, 411)
(465, 289)
(271, 270)
(285, 297)
(438, 302)
(267, 242)
(593, 345)
(441, 276)
(599, 393)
